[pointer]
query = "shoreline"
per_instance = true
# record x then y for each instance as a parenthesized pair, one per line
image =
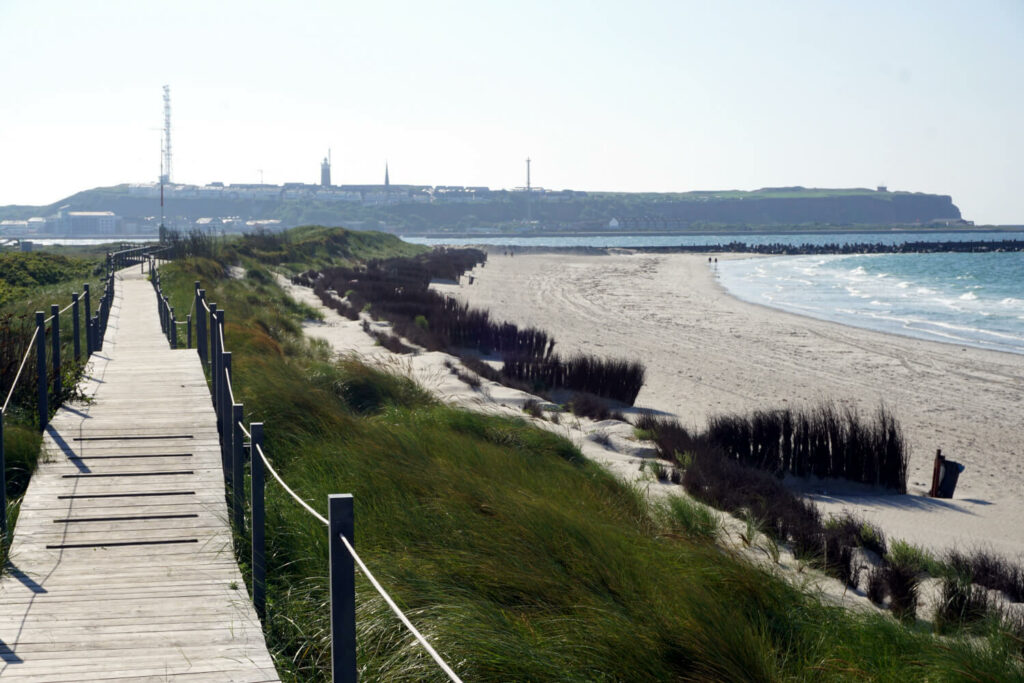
(708, 352)
(724, 291)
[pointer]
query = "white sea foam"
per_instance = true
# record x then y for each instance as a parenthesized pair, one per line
(914, 294)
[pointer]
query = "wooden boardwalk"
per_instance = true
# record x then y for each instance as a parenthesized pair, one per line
(122, 567)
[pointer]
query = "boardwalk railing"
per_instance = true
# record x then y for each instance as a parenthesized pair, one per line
(88, 327)
(235, 451)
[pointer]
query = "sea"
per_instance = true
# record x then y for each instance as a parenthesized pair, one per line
(970, 299)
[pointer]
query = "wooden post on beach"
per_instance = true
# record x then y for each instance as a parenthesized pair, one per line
(936, 473)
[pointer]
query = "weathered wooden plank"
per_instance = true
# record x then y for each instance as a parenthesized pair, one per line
(177, 610)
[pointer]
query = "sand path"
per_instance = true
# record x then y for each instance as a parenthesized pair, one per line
(707, 352)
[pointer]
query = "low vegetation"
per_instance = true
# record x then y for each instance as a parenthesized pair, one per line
(717, 475)
(398, 290)
(518, 558)
(31, 282)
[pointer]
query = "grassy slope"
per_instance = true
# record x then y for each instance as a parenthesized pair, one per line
(518, 559)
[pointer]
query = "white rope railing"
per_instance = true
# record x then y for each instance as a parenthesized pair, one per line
(17, 377)
(287, 488)
(227, 381)
(394, 608)
(366, 572)
(67, 307)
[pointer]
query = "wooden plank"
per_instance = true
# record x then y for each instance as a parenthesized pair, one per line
(173, 604)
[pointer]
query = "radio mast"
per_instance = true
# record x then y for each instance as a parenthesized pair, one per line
(165, 175)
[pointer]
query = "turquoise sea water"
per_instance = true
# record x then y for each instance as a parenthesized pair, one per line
(967, 299)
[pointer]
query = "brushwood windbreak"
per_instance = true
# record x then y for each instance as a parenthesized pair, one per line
(825, 441)
(398, 290)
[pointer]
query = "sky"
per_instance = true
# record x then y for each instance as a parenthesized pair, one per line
(645, 95)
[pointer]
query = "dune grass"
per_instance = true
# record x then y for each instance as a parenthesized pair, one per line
(31, 282)
(517, 558)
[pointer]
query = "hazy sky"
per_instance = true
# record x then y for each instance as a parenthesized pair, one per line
(640, 95)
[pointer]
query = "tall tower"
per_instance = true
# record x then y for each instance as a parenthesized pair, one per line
(529, 209)
(165, 173)
(325, 170)
(527, 174)
(387, 178)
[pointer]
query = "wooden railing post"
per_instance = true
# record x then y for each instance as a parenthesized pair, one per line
(41, 369)
(3, 486)
(224, 414)
(202, 343)
(74, 326)
(172, 327)
(343, 589)
(214, 355)
(237, 466)
(259, 566)
(55, 351)
(88, 322)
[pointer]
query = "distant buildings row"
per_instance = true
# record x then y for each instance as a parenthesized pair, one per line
(363, 194)
(79, 224)
(99, 224)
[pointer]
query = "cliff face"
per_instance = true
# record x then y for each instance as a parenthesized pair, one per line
(855, 209)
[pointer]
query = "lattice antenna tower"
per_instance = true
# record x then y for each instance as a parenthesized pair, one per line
(166, 173)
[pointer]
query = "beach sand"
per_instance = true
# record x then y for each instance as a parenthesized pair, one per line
(707, 352)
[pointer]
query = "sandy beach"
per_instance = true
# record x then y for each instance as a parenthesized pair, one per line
(707, 352)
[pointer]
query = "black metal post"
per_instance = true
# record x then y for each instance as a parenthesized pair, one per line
(172, 328)
(55, 351)
(237, 463)
(88, 322)
(343, 589)
(259, 566)
(188, 331)
(41, 368)
(74, 326)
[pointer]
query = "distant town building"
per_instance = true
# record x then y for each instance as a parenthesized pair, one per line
(78, 223)
(325, 172)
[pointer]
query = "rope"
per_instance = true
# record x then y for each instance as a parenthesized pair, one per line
(366, 572)
(48, 320)
(259, 449)
(181, 322)
(203, 301)
(231, 393)
(244, 430)
(24, 360)
(67, 307)
(394, 608)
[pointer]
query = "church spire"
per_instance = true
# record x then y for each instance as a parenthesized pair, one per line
(387, 179)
